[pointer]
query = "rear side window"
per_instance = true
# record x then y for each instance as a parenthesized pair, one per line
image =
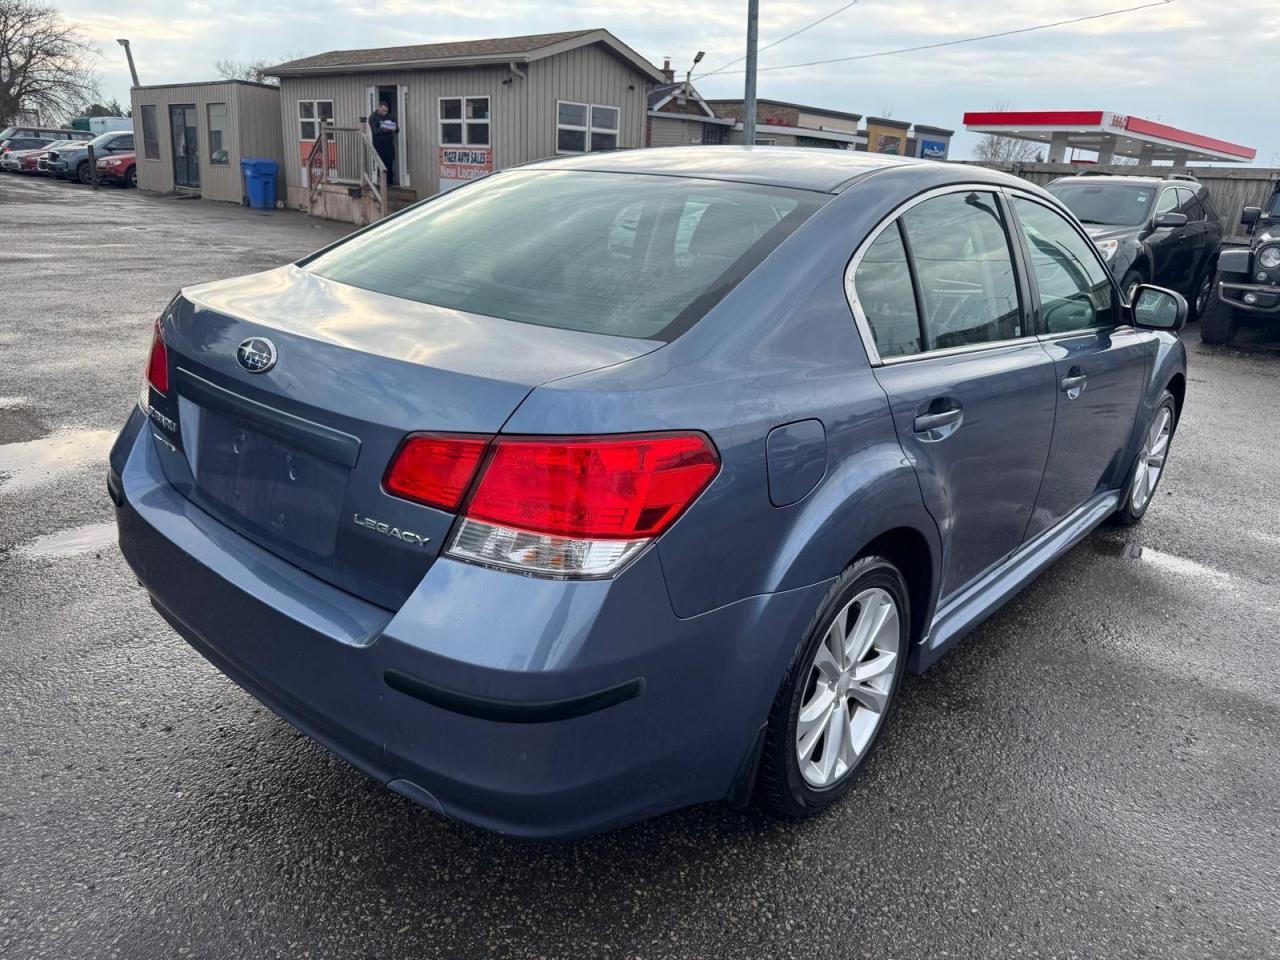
(1075, 291)
(629, 255)
(882, 284)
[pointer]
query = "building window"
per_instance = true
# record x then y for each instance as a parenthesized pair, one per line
(581, 127)
(150, 138)
(464, 121)
(312, 114)
(217, 133)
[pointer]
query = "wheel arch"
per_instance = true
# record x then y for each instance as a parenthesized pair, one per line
(908, 549)
(1177, 386)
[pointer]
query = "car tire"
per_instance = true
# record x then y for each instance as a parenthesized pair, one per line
(1131, 279)
(131, 177)
(1202, 293)
(789, 787)
(1144, 476)
(83, 173)
(1218, 321)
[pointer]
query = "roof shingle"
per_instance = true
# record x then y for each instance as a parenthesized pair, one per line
(496, 46)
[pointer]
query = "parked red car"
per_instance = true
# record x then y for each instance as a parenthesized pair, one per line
(20, 161)
(121, 168)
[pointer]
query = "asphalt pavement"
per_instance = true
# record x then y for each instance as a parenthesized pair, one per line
(1093, 773)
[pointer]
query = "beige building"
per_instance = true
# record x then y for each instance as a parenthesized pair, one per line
(783, 124)
(461, 110)
(190, 137)
(679, 116)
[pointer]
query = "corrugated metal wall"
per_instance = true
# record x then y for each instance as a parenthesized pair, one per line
(252, 122)
(673, 132)
(522, 111)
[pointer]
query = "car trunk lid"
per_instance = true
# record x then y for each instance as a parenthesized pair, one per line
(293, 456)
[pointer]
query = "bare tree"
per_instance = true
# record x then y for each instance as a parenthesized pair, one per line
(251, 69)
(44, 62)
(994, 148)
(244, 70)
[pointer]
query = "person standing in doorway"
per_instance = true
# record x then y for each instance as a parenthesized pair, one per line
(384, 130)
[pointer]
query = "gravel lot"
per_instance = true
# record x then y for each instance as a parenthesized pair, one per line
(1094, 773)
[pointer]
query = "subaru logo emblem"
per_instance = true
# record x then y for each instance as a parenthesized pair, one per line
(256, 354)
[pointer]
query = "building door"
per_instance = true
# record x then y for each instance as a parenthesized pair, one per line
(395, 98)
(183, 131)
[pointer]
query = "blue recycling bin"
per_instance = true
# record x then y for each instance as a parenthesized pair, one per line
(260, 182)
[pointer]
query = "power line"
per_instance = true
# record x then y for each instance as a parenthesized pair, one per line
(767, 46)
(952, 43)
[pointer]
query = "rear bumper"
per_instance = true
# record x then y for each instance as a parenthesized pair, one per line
(532, 707)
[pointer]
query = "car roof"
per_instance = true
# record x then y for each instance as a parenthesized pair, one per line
(1129, 178)
(805, 168)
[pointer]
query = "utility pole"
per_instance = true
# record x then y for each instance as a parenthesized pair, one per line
(749, 95)
(133, 71)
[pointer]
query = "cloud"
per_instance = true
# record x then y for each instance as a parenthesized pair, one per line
(1199, 64)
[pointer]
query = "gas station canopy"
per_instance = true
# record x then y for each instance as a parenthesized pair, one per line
(1110, 135)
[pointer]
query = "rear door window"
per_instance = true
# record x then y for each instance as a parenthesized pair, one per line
(964, 269)
(624, 254)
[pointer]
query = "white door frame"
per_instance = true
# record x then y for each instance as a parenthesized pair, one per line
(402, 165)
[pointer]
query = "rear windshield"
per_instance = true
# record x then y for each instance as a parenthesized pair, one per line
(623, 254)
(1113, 204)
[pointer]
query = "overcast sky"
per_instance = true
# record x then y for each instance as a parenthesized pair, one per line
(1204, 65)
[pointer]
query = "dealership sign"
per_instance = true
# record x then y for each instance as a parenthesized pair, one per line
(459, 165)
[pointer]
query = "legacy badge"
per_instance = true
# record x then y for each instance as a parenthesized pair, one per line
(387, 530)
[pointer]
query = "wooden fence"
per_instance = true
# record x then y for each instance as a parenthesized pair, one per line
(1231, 189)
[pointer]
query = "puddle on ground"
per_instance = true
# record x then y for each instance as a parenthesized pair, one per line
(1170, 563)
(34, 462)
(69, 543)
(1167, 562)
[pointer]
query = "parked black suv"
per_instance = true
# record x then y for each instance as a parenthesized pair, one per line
(1248, 285)
(1150, 230)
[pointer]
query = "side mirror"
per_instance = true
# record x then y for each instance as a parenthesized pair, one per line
(1249, 216)
(1171, 220)
(1156, 308)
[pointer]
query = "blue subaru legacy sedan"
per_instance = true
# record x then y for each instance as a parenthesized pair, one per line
(616, 483)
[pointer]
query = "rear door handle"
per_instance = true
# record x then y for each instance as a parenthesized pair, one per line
(1073, 385)
(934, 421)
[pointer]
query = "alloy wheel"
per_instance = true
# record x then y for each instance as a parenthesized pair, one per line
(1202, 295)
(1151, 463)
(848, 689)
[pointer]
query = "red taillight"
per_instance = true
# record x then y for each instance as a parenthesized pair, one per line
(435, 469)
(567, 507)
(596, 488)
(158, 362)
